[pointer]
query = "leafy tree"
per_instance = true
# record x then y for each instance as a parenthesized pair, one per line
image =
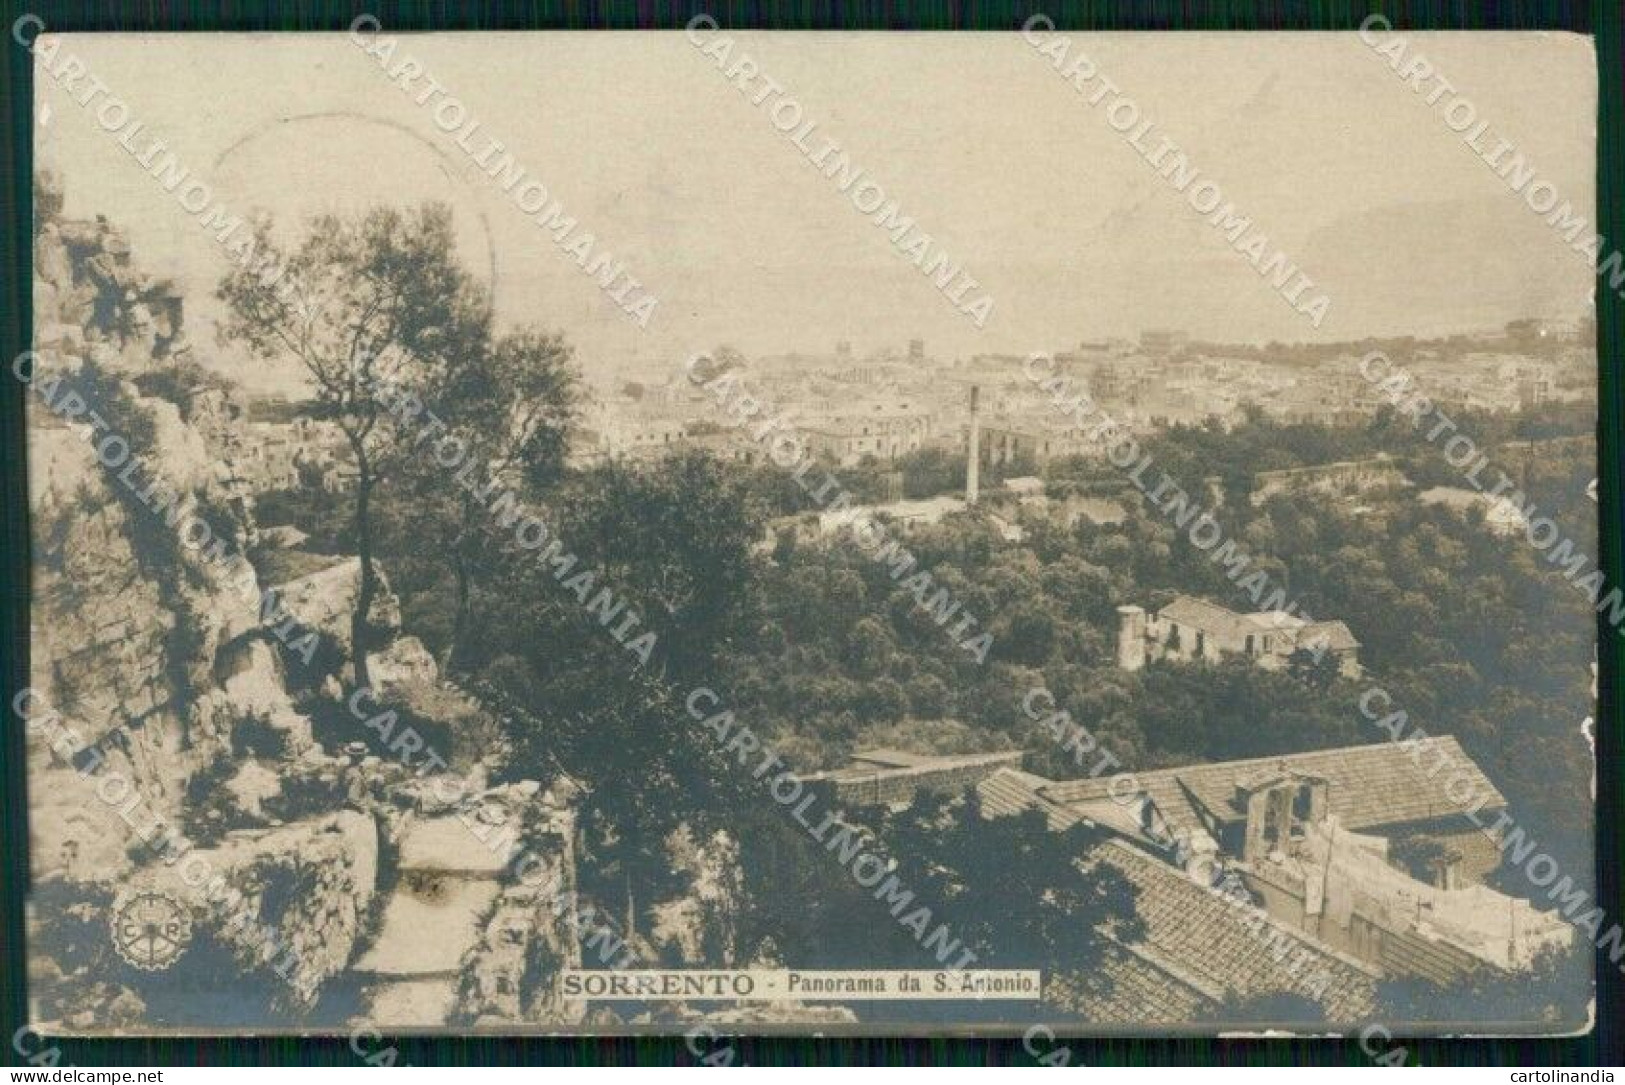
(669, 542)
(1015, 892)
(374, 308)
(931, 471)
(510, 405)
(675, 537)
(1319, 673)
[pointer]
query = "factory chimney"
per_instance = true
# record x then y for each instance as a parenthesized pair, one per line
(973, 460)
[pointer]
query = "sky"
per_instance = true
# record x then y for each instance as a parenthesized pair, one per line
(1345, 168)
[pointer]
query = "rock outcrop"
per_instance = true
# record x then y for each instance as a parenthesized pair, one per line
(147, 632)
(151, 660)
(169, 753)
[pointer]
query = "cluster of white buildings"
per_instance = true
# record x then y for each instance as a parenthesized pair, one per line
(1193, 630)
(893, 402)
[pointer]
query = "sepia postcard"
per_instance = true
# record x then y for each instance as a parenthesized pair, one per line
(720, 532)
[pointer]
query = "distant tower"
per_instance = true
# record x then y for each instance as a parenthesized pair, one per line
(973, 455)
(916, 350)
(843, 350)
(1130, 638)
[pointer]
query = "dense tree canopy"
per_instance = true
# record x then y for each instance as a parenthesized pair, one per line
(821, 650)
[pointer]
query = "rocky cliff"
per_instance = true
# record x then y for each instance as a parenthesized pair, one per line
(172, 758)
(152, 668)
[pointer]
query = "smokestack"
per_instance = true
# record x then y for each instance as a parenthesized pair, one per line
(973, 461)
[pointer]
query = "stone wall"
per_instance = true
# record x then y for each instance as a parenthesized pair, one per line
(511, 975)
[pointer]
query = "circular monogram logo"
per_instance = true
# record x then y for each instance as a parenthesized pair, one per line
(150, 930)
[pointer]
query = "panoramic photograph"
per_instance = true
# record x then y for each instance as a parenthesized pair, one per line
(715, 532)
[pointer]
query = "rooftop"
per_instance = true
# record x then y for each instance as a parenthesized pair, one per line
(1201, 948)
(928, 510)
(870, 763)
(1337, 636)
(1211, 617)
(1386, 783)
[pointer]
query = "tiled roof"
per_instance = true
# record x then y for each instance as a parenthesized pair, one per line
(1012, 791)
(889, 757)
(1338, 637)
(873, 764)
(1173, 802)
(1386, 783)
(1268, 621)
(1127, 989)
(1201, 614)
(1162, 787)
(1213, 618)
(1199, 947)
(1205, 942)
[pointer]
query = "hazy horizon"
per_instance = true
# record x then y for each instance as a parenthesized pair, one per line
(1345, 168)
